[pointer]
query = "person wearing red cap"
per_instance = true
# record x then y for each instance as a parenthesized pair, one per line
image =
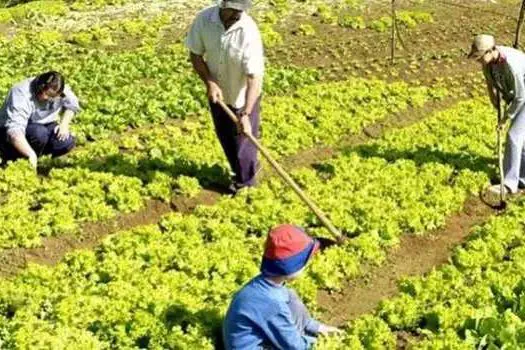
(265, 314)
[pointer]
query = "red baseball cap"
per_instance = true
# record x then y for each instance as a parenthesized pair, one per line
(288, 248)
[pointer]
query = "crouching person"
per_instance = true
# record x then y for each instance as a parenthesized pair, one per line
(265, 314)
(35, 119)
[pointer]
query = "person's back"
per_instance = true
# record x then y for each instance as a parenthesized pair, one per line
(265, 314)
(242, 328)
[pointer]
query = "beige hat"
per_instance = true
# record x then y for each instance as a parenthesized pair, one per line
(481, 44)
(240, 5)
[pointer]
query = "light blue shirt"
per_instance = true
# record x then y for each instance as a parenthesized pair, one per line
(21, 107)
(260, 317)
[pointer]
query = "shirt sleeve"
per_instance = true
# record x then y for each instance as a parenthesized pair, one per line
(253, 56)
(18, 112)
(283, 334)
(490, 86)
(194, 41)
(311, 326)
(70, 100)
(516, 106)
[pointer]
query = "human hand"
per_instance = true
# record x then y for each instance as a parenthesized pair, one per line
(33, 160)
(62, 132)
(214, 91)
(327, 330)
(244, 125)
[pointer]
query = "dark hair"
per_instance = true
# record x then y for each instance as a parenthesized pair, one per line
(49, 81)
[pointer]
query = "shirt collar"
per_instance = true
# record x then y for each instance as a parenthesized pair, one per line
(214, 16)
(272, 283)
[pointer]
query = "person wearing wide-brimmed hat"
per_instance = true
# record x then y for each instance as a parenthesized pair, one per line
(265, 314)
(226, 51)
(504, 70)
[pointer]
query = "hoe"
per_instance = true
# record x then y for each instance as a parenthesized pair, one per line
(338, 236)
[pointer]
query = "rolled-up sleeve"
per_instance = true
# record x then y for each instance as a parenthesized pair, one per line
(194, 41)
(70, 100)
(18, 112)
(253, 56)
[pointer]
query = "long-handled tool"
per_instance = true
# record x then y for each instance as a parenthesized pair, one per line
(284, 175)
(502, 202)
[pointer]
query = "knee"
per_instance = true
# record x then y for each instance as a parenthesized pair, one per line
(59, 148)
(37, 135)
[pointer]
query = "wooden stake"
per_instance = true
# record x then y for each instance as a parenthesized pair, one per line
(520, 24)
(393, 36)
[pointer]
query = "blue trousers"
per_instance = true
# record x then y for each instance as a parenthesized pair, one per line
(241, 153)
(514, 160)
(42, 139)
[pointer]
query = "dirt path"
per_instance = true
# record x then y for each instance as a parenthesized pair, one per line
(55, 248)
(416, 255)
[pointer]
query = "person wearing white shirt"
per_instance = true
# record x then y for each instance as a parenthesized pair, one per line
(226, 51)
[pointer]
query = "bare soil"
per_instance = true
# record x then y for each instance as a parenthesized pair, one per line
(415, 255)
(53, 249)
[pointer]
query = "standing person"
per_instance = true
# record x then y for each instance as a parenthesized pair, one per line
(226, 51)
(265, 314)
(30, 121)
(504, 70)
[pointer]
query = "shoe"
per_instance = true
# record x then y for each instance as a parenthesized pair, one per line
(232, 189)
(496, 189)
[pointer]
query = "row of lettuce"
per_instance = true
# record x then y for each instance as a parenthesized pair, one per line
(118, 175)
(168, 285)
(474, 302)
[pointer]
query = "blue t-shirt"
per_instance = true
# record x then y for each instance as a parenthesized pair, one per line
(260, 317)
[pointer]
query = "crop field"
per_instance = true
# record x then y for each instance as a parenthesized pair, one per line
(131, 242)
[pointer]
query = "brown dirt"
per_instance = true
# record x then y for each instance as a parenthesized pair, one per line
(432, 49)
(374, 131)
(415, 255)
(54, 248)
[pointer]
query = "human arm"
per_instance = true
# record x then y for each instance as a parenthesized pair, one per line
(253, 66)
(283, 334)
(518, 103)
(199, 65)
(71, 107)
(195, 44)
(19, 142)
(491, 89)
(253, 91)
(18, 111)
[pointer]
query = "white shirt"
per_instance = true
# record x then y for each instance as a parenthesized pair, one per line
(230, 54)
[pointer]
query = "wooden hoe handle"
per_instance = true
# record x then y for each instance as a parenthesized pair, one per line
(284, 175)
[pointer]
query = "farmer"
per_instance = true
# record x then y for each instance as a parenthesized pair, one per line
(30, 120)
(504, 70)
(265, 314)
(226, 51)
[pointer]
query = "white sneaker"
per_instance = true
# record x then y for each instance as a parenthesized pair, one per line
(496, 189)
